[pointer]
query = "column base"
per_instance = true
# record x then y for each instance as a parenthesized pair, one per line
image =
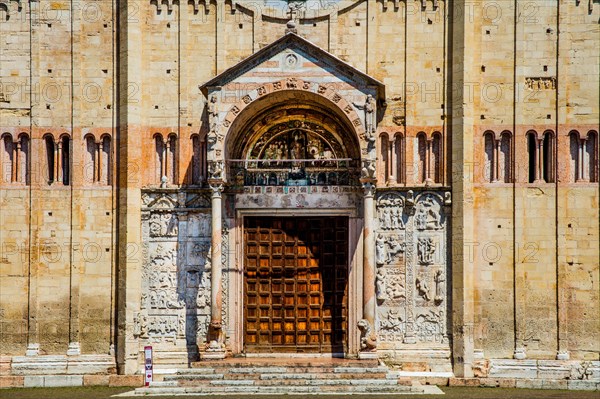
(74, 349)
(32, 350)
(367, 355)
(214, 351)
(220, 355)
(520, 354)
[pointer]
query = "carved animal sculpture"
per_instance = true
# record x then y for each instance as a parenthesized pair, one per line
(368, 339)
(369, 170)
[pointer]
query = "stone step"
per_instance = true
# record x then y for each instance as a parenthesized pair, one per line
(193, 377)
(256, 370)
(361, 370)
(189, 379)
(293, 370)
(198, 370)
(161, 384)
(280, 390)
(289, 363)
(232, 382)
(324, 382)
(321, 376)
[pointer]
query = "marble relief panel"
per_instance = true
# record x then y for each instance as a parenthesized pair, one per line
(411, 259)
(175, 299)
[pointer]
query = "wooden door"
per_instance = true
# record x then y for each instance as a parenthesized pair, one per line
(295, 284)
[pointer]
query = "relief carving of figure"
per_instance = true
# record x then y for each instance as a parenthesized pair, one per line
(153, 299)
(369, 108)
(422, 288)
(380, 250)
(390, 207)
(392, 322)
(181, 325)
(381, 284)
(428, 215)
(431, 325)
(426, 250)
(387, 218)
(439, 286)
(140, 325)
(394, 247)
(395, 288)
(213, 117)
(163, 224)
(161, 300)
(396, 217)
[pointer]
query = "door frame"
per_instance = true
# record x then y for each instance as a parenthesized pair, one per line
(235, 328)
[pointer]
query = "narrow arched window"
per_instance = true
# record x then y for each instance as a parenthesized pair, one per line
(505, 158)
(65, 160)
(23, 159)
(575, 167)
(198, 160)
(421, 158)
(436, 155)
(591, 151)
(172, 159)
(89, 162)
(50, 154)
(6, 159)
(548, 157)
(488, 161)
(385, 156)
(398, 158)
(159, 157)
(532, 152)
(105, 160)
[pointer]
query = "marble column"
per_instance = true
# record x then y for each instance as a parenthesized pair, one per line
(367, 324)
(216, 343)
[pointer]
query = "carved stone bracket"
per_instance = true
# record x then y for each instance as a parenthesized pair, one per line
(216, 171)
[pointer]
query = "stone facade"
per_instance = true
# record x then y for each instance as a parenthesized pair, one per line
(468, 137)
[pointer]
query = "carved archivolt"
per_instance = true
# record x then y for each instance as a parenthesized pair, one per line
(411, 267)
(326, 91)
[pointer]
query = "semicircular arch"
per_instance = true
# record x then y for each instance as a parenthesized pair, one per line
(323, 106)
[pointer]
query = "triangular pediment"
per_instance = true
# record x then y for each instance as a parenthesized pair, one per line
(292, 55)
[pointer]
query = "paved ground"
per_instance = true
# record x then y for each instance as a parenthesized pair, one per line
(451, 393)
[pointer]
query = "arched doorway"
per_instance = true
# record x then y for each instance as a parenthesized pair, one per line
(294, 168)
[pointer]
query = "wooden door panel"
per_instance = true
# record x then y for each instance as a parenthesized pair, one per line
(296, 276)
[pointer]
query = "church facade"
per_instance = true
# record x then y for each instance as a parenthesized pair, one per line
(411, 181)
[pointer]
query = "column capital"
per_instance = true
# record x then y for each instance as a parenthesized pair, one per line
(216, 185)
(368, 188)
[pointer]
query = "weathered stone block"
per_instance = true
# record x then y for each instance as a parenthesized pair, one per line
(63, 381)
(11, 381)
(464, 382)
(125, 380)
(96, 380)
